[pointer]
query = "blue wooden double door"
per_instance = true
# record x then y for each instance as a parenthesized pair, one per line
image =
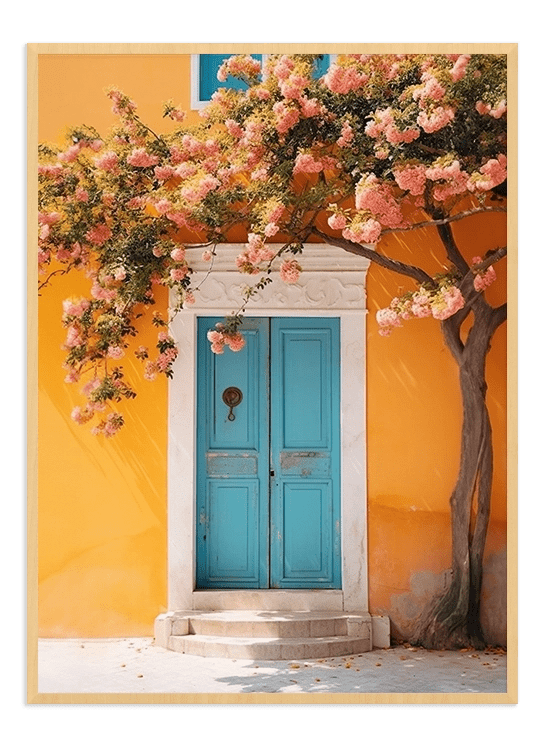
(268, 464)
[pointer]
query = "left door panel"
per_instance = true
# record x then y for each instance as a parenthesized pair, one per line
(233, 465)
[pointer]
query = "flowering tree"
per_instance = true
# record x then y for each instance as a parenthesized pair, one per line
(380, 144)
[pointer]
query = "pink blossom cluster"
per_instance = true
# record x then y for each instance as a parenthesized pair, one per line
(178, 274)
(440, 303)
(337, 221)
(283, 67)
(176, 113)
(163, 173)
(436, 118)
(48, 219)
(107, 161)
(363, 231)
(306, 163)
(342, 79)
(115, 352)
(483, 278)
(290, 271)
(234, 129)
(110, 426)
(102, 289)
(121, 103)
(446, 302)
(384, 125)
(411, 177)
(75, 306)
(452, 180)
(286, 116)
(165, 359)
(239, 65)
(53, 171)
(219, 338)
(491, 174)
(431, 90)
(73, 338)
(99, 234)
(140, 157)
(294, 86)
(378, 198)
(71, 153)
(347, 135)
(458, 70)
(310, 107)
(255, 252)
(82, 415)
(497, 111)
(197, 188)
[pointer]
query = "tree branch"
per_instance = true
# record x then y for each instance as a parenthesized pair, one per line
(452, 250)
(443, 221)
(358, 249)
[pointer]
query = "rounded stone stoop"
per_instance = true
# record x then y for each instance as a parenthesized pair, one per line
(266, 635)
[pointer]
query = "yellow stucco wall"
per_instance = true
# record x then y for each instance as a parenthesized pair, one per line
(102, 504)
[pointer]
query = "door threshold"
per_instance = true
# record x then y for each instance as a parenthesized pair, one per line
(272, 599)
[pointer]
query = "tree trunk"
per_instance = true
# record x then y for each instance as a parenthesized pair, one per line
(452, 621)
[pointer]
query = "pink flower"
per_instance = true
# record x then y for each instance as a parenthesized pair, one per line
(447, 302)
(163, 172)
(290, 271)
(81, 195)
(344, 79)
(387, 318)
(140, 157)
(178, 254)
(82, 415)
(411, 178)
(459, 68)
(337, 221)
(346, 136)
(366, 232)
(48, 218)
(286, 117)
(99, 234)
(73, 338)
(115, 352)
(378, 198)
(107, 161)
(178, 274)
(163, 206)
(436, 119)
(207, 255)
(235, 342)
(71, 154)
(75, 307)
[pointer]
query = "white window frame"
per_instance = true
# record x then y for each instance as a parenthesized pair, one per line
(195, 102)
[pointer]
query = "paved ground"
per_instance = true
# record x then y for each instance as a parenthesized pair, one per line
(137, 666)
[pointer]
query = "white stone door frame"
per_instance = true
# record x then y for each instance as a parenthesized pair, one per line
(332, 285)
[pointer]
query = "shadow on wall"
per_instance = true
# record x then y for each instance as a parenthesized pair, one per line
(406, 608)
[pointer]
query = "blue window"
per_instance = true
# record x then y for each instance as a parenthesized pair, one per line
(205, 76)
(208, 76)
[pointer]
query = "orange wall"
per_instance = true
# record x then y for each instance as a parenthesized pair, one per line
(102, 504)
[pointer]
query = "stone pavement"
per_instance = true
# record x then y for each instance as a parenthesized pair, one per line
(136, 665)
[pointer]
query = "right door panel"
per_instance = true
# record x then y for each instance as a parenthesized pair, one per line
(305, 453)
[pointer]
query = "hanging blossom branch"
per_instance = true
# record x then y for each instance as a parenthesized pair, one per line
(361, 143)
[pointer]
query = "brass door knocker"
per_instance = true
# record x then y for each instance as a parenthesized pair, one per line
(232, 396)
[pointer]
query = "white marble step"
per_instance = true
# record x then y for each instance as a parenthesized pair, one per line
(279, 624)
(261, 648)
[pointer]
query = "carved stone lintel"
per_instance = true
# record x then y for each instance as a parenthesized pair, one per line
(331, 279)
